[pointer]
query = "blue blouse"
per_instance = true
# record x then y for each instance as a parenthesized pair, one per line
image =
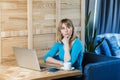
(76, 52)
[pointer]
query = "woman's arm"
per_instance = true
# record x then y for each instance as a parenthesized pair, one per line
(77, 51)
(67, 56)
(49, 57)
(54, 61)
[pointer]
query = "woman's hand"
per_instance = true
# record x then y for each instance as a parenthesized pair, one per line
(67, 56)
(65, 41)
(66, 44)
(54, 61)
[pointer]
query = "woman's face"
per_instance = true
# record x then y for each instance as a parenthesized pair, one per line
(66, 31)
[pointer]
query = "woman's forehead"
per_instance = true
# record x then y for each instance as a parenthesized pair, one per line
(66, 25)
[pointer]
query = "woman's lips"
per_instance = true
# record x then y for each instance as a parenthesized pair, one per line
(66, 33)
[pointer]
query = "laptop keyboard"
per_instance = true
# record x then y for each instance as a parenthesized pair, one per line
(46, 66)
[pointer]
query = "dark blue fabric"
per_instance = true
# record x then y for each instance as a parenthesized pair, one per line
(108, 16)
(93, 58)
(108, 70)
(105, 48)
(113, 44)
(99, 67)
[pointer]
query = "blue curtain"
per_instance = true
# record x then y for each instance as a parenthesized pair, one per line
(108, 16)
(90, 7)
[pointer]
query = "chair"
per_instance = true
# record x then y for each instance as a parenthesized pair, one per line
(100, 67)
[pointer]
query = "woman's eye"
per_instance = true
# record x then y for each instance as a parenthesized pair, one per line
(68, 27)
(62, 28)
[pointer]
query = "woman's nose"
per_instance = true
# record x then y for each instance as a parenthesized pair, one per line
(66, 29)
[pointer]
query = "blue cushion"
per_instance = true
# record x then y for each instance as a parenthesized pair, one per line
(98, 49)
(112, 42)
(105, 48)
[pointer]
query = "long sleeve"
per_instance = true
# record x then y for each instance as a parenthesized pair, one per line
(53, 51)
(77, 50)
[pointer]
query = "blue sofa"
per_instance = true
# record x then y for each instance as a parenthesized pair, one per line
(110, 45)
(100, 67)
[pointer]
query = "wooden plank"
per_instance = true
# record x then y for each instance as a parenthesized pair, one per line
(0, 37)
(30, 32)
(45, 31)
(58, 11)
(9, 43)
(13, 4)
(10, 0)
(13, 24)
(10, 71)
(69, 4)
(13, 17)
(37, 31)
(44, 4)
(37, 19)
(82, 21)
(45, 23)
(44, 41)
(70, 1)
(5, 34)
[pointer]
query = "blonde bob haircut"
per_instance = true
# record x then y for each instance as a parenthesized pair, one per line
(69, 24)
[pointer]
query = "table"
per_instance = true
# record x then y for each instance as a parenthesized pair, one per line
(13, 72)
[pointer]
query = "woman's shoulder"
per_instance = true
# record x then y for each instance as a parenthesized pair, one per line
(77, 40)
(78, 43)
(57, 43)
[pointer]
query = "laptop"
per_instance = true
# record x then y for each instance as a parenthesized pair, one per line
(27, 58)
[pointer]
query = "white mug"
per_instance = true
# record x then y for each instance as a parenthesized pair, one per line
(67, 65)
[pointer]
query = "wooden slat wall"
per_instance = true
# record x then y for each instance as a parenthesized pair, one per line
(71, 9)
(82, 11)
(13, 25)
(23, 20)
(30, 31)
(0, 36)
(44, 23)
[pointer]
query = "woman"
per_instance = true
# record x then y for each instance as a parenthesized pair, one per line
(68, 47)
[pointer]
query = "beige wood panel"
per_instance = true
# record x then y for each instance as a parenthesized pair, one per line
(42, 43)
(58, 12)
(43, 14)
(14, 15)
(11, 0)
(82, 21)
(9, 43)
(0, 36)
(44, 23)
(71, 9)
(13, 25)
(17, 23)
(29, 22)
(44, 4)
(10, 71)
(5, 34)
(38, 24)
